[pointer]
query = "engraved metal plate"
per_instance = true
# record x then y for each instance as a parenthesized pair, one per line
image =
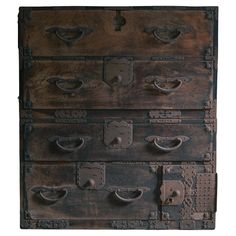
(118, 134)
(118, 71)
(91, 175)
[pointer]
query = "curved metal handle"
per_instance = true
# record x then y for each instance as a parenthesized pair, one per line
(61, 83)
(69, 35)
(167, 34)
(59, 193)
(168, 149)
(156, 140)
(167, 90)
(128, 200)
(64, 143)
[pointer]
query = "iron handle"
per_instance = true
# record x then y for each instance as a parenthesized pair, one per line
(166, 35)
(178, 141)
(170, 37)
(168, 149)
(59, 193)
(64, 143)
(167, 90)
(61, 83)
(68, 149)
(69, 35)
(129, 200)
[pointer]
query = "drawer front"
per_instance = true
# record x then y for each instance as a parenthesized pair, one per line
(186, 33)
(118, 83)
(117, 141)
(91, 191)
(148, 194)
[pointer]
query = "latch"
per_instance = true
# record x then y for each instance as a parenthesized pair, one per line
(118, 134)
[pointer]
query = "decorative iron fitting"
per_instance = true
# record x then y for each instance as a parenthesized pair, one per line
(27, 104)
(211, 127)
(165, 116)
(70, 116)
(24, 15)
(211, 14)
(154, 167)
(118, 71)
(52, 224)
(27, 131)
(210, 104)
(208, 54)
(118, 134)
(118, 21)
(172, 192)
(26, 116)
(91, 175)
(205, 196)
(210, 112)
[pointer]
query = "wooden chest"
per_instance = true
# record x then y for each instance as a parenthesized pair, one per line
(118, 117)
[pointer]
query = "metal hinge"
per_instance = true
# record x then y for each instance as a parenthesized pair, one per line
(165, 116)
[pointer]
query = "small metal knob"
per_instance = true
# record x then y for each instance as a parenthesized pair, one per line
(90, 183)
(176, 193)
(117, 140)
(117, 79)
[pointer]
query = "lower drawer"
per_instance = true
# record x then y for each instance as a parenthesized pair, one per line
(91, 190)
(117, 141)
(146, 193)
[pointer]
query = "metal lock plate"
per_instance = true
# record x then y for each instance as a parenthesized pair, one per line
(118, 134)
(118, 71)
(91, 175)
(172, 192)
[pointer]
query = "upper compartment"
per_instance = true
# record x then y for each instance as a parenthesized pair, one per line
(93, 32)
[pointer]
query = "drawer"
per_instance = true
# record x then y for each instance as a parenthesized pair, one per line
(65, 32)
(117, 141)
(91, 191)
(149, 193)
(118, 83)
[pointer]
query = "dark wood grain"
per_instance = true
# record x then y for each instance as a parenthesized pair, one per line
(139, 93)
(42, 149)
(92, 204)
(131, 40)
(118, 117)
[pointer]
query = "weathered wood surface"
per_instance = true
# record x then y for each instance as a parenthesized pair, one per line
(190, 33)
(190, 85)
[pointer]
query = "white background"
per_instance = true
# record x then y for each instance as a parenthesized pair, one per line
(226, 136)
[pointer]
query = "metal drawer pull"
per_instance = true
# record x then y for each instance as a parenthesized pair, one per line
(50, 195)
(138, 195)
(166, 34)
(67, 85)
(169, 36)
(159, 142)
(69, 35)
(178, 84)
(168, 149)
(68, 144)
